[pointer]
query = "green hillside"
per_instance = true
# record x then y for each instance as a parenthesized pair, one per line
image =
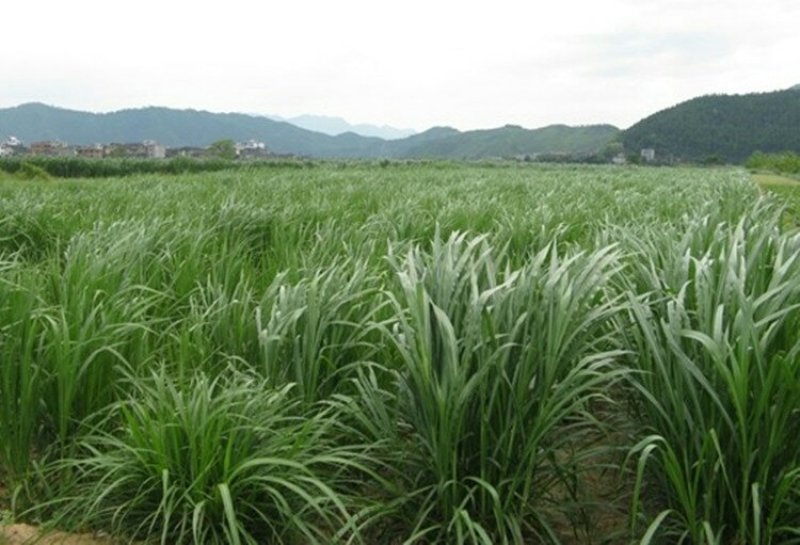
(176, 128)
(513, 140)
(729, 127)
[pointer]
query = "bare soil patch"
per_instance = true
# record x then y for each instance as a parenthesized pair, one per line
(24, 534)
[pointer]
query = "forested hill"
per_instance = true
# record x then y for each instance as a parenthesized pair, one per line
(728, 127)
(512, 140)
(177, 128)
(171, 127)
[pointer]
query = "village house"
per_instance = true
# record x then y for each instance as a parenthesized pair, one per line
(252, 149)
(50, 148)
(154, 149)
(648, 155)
(11, 146)
(95, 151)
(187, 151)
(149, 149)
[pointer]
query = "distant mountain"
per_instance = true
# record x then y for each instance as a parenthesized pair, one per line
(336, 125)
(512, 140)
(176, 128)
(730, 127)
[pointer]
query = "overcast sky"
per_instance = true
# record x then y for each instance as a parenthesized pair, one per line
(412, 63)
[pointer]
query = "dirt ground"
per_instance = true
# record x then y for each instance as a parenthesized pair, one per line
(23, 534)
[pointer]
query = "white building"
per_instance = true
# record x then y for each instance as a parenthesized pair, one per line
(9, 146)
(154, 150)
(252, 149)
(648, 155)
(250, 145)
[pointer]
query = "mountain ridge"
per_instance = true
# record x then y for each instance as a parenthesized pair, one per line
(333, 126)
(177, 128)
(721, 127)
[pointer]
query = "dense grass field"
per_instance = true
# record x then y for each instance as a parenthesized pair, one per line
(786, 189)
(412, 353)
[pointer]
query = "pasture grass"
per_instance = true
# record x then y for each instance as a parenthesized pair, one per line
(714, 335)
(787, 190)
(422, 353)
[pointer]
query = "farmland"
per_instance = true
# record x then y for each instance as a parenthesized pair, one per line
(402, 353)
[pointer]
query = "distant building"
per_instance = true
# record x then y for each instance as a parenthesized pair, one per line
(129, 151)
(154, 150)
(648, 155)
(95, 151)
(619, 159)
(148, 149)
(252, 149)
(12, 146)
(187, 151)
(51, 149)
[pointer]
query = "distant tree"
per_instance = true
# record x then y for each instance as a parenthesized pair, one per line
(784, 162)
(634, 158)
(117, 152)
(611, 150)
(223, 149)
(757, 160)
(29, 171)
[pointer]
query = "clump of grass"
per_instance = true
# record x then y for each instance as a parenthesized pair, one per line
(714, 335)
(313, 331)
(214, 461)
(29, 232)
(21, 375)
(494, 370)
(30, 171)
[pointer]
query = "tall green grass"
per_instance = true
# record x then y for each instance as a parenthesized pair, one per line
(493, 372)
(226, 460)
(715, 317)
(77, 167)
(22, 324)
(426, 353)
(317, 328)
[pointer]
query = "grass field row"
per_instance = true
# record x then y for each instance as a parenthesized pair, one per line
(416, 354)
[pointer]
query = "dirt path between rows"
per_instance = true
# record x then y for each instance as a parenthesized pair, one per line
(24, 534)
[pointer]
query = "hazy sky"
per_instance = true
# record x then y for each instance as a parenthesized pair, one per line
(409, 63)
